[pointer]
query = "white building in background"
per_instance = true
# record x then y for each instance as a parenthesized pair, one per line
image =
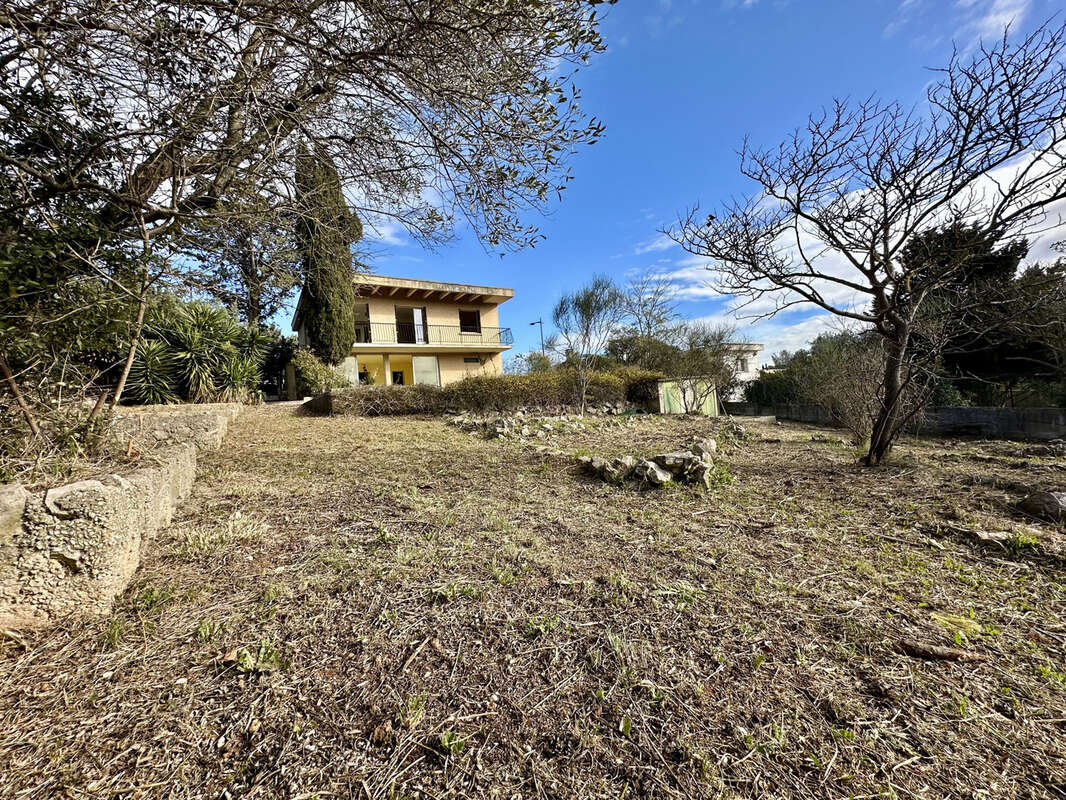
(747, 361)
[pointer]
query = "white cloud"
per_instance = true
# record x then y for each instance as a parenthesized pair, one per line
(383, 230)
(968, 21)
(660, 242)
(986, 19)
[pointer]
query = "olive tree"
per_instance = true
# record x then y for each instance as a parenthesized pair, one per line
(432, 113)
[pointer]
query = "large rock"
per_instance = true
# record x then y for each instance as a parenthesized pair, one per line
(618, 469)
(681, 463)
(1046, 505)
(705, 448)
(650, 472)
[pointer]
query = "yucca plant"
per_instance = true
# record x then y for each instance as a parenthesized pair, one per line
(239, 379)
(201, 354)
(152, 375)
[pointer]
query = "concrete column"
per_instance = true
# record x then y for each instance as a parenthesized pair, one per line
(386, 369)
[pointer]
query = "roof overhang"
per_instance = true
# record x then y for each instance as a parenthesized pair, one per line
(412, 289)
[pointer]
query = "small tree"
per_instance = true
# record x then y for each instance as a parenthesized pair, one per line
(649, 304)
(841, 372)
(840, 200)
(529, 363)
(585, 321)
(703, 363)
(249, 255)
(326, 229)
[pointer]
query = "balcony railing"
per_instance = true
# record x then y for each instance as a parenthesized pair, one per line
(416, 333)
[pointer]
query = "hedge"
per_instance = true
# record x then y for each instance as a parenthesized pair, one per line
(494, 393)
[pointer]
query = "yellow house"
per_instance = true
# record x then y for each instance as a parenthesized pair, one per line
(412, 331)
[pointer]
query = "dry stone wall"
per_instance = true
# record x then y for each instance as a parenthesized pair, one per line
(72, 549)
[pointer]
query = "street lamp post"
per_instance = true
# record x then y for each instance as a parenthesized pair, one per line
(541, 323)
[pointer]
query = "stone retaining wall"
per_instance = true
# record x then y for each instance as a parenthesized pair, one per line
(73, 548)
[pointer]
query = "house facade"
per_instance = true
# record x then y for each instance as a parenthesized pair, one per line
(422, 332)
(746, 355)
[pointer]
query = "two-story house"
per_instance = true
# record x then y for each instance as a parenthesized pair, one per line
(412, 331)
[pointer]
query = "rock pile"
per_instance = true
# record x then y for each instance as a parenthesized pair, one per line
(521, 426)
(692, 465)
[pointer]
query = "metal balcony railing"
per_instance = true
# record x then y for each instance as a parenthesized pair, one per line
(416, 333)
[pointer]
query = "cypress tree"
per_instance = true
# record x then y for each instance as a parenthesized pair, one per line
(326, 230)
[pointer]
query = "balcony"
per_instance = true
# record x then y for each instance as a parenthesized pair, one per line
(418, 334)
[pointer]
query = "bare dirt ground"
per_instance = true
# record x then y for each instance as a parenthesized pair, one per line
(390, 608)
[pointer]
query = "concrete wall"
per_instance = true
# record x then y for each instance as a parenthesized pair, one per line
(453, 368)
(996, 423)
(989, 423)
(72, 549)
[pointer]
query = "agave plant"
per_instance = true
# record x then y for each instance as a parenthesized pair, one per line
(152, 374)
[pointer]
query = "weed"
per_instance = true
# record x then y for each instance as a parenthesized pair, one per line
(266, 658)
(503, 575)
(154, 598)
(208, 630)
(1020, 541)
(412, 710)
(452, 743)
(115, 633)
(541, 625)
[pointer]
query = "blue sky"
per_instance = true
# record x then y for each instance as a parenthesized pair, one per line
(682, 83)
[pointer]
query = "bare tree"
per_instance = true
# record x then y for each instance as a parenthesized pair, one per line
(585, 321)
(650, 304)
(841, 198)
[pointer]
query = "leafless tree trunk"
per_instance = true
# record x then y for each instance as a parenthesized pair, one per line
(24, 407)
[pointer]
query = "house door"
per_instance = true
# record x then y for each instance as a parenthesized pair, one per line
(425, 370)
(411, 325)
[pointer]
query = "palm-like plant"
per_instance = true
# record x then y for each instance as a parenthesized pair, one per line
(239, 379)
(198, 352)
(152, 374)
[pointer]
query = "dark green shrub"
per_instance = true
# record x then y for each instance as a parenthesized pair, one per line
(484, 394)
(771, 389)
(314, 377)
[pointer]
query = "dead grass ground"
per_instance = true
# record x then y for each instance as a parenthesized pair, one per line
(390, 608)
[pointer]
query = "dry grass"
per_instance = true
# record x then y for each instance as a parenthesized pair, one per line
(390, 608)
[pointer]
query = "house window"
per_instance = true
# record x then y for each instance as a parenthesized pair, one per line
(471, 360)
(469, 321)
(743, 365)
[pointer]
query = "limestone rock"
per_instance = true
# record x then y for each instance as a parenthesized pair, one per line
(1046, 505)
(618, 469)
(705, 448)
(650, 472)
(12, 504)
